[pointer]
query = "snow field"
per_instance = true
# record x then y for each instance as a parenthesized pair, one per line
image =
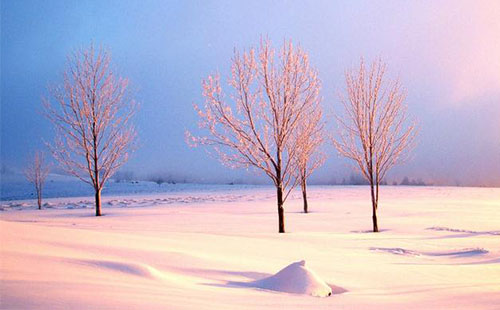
(439, 249)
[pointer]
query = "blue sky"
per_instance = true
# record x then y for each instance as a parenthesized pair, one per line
(446, 53)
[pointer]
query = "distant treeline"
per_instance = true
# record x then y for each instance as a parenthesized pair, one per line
(158, 178)
(356, 179)
(170, 178)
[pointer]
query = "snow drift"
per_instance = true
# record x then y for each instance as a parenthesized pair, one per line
(295, 278)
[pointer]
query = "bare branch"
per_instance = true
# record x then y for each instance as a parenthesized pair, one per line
(271, 99)
(92, 117)
(36, 172)
(373, 131)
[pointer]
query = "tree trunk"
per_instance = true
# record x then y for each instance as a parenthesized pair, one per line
(281, 212)
(374, 209)
(98, 202)
(39, 194)
(304, 195)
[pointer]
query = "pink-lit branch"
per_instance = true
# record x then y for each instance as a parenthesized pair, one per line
(257, 125)
(91, 115)
(373, 130)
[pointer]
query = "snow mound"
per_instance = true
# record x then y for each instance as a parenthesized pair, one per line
(296, 278)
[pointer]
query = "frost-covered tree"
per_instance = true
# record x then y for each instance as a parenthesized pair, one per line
(373, 130)
(91, 114)
(36, 172)
(256, 124)
(310, 137)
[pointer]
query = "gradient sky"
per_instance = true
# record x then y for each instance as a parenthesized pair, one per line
(446, 53)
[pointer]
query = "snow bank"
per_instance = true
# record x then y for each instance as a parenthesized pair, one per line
(296, 278)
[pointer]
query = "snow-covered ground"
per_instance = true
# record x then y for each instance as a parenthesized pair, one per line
(15, 187)
(218, 248)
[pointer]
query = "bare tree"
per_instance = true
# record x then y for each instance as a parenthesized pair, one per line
(373, 132)
(310, 137)
(91, 116)
(36, 172)
(270, 97)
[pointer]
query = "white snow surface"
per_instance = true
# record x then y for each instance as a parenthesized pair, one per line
(214, 248)
(296, 278)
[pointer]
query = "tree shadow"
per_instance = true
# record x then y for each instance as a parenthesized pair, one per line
(369, 231)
